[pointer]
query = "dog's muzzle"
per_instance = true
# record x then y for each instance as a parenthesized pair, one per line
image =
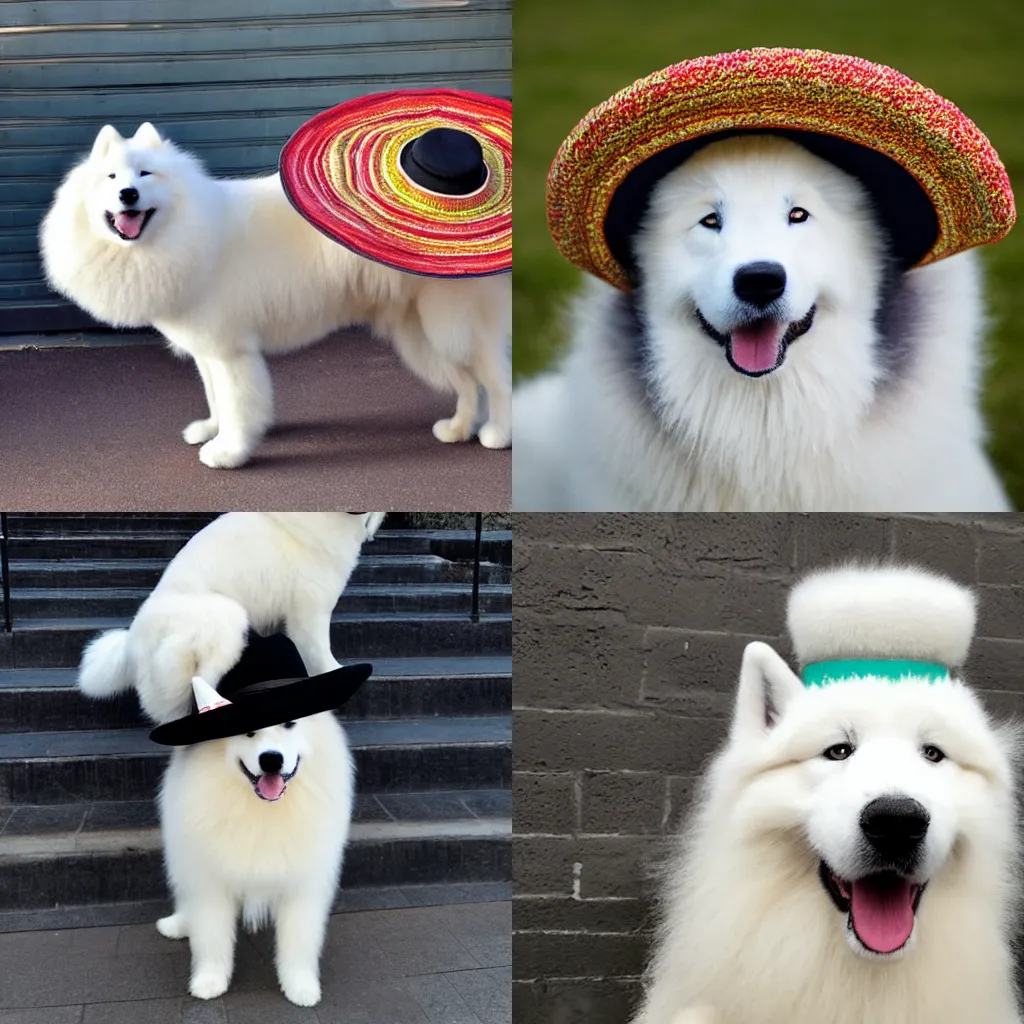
(270, 786)
(759, 346)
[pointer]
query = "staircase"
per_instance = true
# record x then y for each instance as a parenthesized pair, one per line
(431, 731)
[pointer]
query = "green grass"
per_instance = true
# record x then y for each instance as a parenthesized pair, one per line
(571, 54)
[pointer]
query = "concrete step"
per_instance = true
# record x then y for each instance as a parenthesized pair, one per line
(28, 603)
(58, 643)
(349, 899)
(404, 755)
(91, 854)
(105, 542)
(69, 524)
(48, 700)
(143, 573)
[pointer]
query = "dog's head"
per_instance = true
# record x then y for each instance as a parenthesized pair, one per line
(269, 759)
(130, 187)
(750, 242)
(878, 789)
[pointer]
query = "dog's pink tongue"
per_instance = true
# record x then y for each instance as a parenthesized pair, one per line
(270, 787)
(128, 224)
(883, 913)
(756, 348)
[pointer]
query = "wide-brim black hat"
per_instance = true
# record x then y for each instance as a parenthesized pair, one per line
(268, 686)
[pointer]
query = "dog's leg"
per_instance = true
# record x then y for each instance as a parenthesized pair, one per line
(489, 367)
(173, 927)
(460, 426)
(310, 630)
(199, 431)
(212, 918)
(301, 921)
(245, 408)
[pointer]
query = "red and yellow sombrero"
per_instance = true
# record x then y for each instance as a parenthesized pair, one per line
(420, 180)
(936, 181)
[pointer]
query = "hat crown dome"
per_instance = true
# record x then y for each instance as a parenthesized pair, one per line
(265, 658)
(445, 160)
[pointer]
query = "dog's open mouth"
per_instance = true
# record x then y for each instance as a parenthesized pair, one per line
(270, 785)
(129, 224)
(880, 908)
(758, 347)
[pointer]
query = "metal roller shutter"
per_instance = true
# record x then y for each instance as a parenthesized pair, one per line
(228, 79)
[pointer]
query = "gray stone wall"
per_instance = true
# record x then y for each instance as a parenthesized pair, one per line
(627, 641)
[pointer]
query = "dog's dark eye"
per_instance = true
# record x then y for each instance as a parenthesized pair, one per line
(289, 725)
(250, 734)
(838, 752)
(111, 175)
(933, 754)
(713, 221)
(798, 215)
(144, 174)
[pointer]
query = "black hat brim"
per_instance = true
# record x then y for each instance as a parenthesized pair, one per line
(271, 704)
(903, 209)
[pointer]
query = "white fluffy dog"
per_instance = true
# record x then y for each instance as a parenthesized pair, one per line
(246, 569)
(140, 235)
(267, 841)
(770, 360)
(853, 857)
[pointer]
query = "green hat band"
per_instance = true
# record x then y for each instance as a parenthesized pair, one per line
(822, 673)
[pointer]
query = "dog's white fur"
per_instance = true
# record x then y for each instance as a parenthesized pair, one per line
(245, 569)
(227, 851)
(748, 931)
(227, 270)
(830, 430)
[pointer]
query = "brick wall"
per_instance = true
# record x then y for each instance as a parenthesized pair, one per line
(628, 636)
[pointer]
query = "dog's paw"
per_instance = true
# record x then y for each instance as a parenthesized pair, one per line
(494, 436)
(218, 455)
(209, 983)
(452, 430)
(172, 927)
(301, 988)
(199, 431)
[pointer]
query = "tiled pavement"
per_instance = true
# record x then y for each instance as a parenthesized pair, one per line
(448, 964)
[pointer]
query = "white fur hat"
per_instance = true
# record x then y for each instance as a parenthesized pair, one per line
(857, 611)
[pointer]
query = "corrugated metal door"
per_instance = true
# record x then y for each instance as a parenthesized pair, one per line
(228, 79)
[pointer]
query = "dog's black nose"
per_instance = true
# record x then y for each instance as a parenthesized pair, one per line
(271, 762)
(759, 283)
(895, 826)
(129, 196)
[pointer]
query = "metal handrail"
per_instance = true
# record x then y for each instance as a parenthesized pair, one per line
(5, 575)
(475, 613)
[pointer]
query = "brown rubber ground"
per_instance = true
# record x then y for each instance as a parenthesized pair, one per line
(99, 430)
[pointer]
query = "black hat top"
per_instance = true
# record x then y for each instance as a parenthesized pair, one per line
(445, 160)
(268, 685)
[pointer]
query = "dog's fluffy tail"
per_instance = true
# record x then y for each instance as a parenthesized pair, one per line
(185, 635)
(857, 611)
(106, 667)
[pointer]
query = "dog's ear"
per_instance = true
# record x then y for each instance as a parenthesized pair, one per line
(147, 136)
(106, 137)
(767, 686)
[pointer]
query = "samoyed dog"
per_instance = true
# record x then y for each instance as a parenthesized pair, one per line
(853, 856)
(771, 359)
(257, 824)
(246, 569)
(140, 235)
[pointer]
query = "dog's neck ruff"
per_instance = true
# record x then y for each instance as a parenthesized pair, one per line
(823, 673)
